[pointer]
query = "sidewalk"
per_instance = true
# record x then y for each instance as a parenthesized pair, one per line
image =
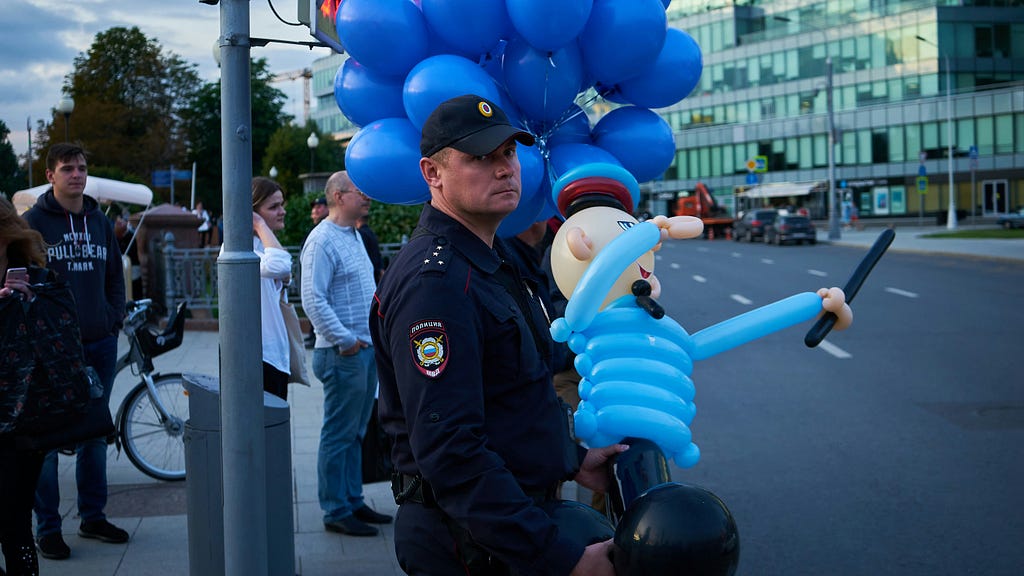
(912, 239)
(155, 512)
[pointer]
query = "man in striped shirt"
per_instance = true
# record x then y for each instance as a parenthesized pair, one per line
(337, 289)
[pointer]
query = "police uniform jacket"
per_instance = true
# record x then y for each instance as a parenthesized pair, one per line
(466, 394)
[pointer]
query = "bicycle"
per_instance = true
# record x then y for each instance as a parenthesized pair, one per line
(151, 419)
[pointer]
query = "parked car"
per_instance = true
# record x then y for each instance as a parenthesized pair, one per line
(1012, 220)
(790, 228)
(751, 226)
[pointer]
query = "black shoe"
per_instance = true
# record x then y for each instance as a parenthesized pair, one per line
(103, 531)
(352, 526)
(52, 546)
(371, 516)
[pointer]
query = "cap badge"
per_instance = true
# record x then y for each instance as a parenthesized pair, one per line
(485, 109)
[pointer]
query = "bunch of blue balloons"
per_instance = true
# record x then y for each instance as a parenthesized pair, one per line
(537, 59)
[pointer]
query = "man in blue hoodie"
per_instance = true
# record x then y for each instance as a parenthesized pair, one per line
(82, 249)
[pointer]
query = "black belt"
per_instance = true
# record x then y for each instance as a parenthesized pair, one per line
(407, 488)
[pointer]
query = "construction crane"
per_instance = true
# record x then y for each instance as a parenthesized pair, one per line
(306, 74)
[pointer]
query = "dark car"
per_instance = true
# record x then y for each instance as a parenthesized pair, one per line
(1012, 220)
(790, 228)
(751, 226)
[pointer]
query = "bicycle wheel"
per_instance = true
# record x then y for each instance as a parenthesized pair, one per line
(156, 445)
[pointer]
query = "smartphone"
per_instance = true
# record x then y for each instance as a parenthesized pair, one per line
(17, 274)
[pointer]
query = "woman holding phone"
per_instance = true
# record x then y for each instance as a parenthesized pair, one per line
(22, 260)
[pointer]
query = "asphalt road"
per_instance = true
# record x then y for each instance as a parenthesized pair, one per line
(894, 449)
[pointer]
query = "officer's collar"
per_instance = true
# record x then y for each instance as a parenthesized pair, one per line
(460, 238)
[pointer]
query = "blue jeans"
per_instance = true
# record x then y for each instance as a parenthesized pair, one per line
(91, 461)
(349, 385)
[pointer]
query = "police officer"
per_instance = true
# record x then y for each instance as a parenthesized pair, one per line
(463, 353)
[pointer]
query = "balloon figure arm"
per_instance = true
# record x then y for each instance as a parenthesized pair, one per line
(752, 325)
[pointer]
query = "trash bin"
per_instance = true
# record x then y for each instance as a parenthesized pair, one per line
(205, 479)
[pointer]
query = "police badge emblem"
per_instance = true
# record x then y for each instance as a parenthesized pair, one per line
(428, 342)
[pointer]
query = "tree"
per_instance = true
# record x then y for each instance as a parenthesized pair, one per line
(202, 128)
(129, 97)
(289, 153)
(12, 177)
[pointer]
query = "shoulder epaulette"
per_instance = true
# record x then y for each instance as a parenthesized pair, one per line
(436, 256)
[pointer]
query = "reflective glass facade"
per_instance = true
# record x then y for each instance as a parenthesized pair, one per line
(763, 92)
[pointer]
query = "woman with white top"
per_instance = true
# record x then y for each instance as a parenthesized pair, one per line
(275, 273)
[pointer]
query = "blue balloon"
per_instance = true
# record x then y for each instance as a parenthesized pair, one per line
(622, 38)
(640, 139)
(674, 74)
(448, 18)
(441, 78)
(572, 128)
(543, 84)
(387, 36)
(364, 97)
(548, 25)
(568, 156)
(383, 159)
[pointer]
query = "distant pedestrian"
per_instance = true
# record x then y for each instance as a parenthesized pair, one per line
(337, 290)
(205, 225)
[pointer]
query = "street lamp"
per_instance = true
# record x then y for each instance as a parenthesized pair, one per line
(951, 214)
(833, 214)
(273, 172)
(312, 142)
(66, 106)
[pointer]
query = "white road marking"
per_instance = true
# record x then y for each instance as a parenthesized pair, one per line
(674, 266)
(834, 350)
(702, 249)
(767, 260)
(700, 279)
(814, 272)
(899, 292)
(741, 299)
(736, 255)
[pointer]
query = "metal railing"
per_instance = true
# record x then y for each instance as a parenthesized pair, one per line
(190, 274)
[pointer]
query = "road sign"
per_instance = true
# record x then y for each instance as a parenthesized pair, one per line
(974, 152)
(923, 156)
(751, 178)
(921, 171)
(922, 184)
(162, 178)
(761, 164)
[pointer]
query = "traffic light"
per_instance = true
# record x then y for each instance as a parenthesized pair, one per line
(320, 15)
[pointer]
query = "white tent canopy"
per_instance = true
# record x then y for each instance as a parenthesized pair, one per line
(103, 190)
(779, 190)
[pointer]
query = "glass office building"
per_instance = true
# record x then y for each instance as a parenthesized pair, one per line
(326, 114)
(764, 93)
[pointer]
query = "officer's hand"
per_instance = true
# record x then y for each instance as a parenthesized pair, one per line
(596, 561)
(593, 472)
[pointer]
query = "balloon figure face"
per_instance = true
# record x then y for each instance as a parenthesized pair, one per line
(582, 237)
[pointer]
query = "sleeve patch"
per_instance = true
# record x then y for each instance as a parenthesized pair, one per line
(428, 342)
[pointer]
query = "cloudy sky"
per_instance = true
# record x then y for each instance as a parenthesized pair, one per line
(39, 40)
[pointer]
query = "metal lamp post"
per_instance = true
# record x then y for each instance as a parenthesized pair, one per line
(66, 106)
(312, 142)
(951, 214)
(834, 232)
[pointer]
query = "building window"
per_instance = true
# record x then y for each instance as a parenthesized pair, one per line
(1004, 133)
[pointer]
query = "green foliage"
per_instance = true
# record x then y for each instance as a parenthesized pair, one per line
(290, 155)
(297, 222)
(12, 176)
(391, 221)
(129, 96)
(201, 124)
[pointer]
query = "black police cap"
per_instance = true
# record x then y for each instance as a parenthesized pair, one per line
(470, 124)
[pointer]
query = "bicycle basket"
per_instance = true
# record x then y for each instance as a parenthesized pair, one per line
(155, 342)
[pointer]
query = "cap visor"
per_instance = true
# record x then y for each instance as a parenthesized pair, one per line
(487, 140)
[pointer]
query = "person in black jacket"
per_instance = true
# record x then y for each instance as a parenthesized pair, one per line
(464, 363)
(20, 247)
(83, 250)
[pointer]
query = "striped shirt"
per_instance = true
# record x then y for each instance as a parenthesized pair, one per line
(337, 285)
